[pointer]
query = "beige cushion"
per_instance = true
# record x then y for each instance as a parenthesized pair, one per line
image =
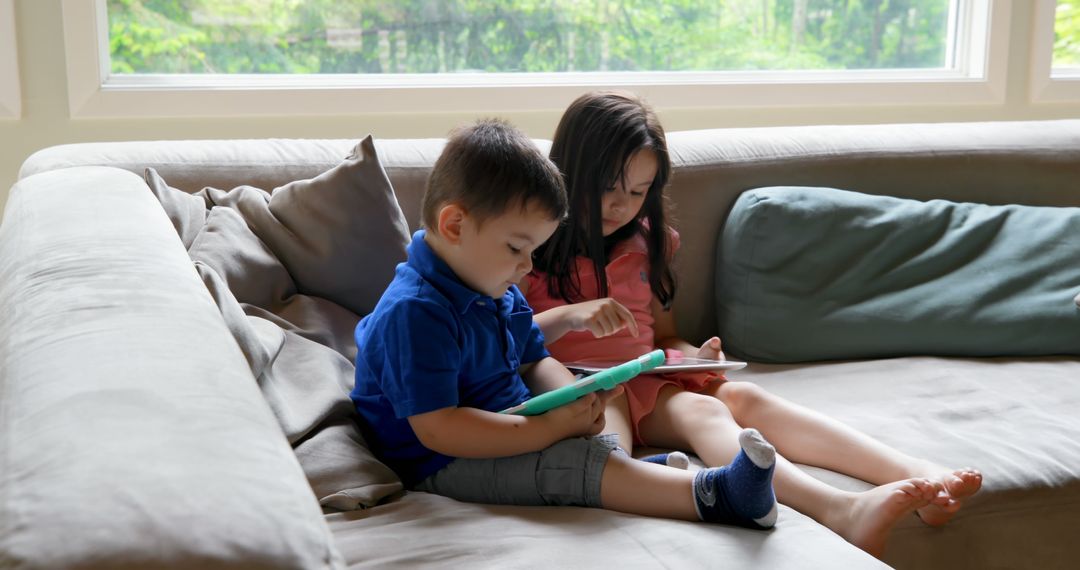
(132, 434)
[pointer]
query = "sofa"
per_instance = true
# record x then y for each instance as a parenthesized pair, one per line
(175, 346)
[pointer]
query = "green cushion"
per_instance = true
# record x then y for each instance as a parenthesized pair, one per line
(820, 274)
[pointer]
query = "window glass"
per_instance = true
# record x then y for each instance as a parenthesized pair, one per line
(449, 36)
(1067, 34)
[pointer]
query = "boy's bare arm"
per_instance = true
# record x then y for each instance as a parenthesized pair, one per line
(545, 375)
(475, 433)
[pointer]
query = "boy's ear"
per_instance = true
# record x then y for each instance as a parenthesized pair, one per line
(450, 221)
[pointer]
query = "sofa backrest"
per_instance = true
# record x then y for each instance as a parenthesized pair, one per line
(1032, 162)
(1025, 162)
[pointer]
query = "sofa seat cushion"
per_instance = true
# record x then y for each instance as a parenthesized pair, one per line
(817, 274)
(470, 535)
(1012, 418)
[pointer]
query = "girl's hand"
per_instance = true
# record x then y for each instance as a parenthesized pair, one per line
(711, 349)
(601, 317)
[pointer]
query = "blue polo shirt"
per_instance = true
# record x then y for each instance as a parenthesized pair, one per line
(432, 343)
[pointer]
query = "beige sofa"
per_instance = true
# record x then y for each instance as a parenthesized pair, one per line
(135, 430)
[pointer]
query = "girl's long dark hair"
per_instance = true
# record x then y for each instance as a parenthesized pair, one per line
(596, 138)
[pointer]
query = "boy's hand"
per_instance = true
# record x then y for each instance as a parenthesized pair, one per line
(711, 349)
(584, 416)
(601, 317)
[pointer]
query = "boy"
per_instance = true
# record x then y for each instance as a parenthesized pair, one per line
(452, 342)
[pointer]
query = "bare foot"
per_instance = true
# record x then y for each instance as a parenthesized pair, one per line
(956, 486)
(868, 517)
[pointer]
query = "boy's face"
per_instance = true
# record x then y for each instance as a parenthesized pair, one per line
(489, 257)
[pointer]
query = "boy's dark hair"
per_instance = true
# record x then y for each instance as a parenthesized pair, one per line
(489, 166)
(598, 134)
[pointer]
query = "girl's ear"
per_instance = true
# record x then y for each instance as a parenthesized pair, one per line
(450, 221)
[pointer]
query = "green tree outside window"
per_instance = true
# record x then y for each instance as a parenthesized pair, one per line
(1067, 33)
(448, 36)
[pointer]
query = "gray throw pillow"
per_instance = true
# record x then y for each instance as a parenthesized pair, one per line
(251, 271)
(342, 233)
(187, 212)
(292, 271)
(296, 360)
(809, 274)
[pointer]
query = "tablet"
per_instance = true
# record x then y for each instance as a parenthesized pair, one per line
(604, 379)
(676, 364)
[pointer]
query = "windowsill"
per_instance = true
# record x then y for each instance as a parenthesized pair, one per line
(246, 96)
(1063, 86)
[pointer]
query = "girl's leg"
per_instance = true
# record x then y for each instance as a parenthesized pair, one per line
(617, 421)
(805, 436)
(685, 420)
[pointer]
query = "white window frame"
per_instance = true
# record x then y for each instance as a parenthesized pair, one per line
(10, 90)
(1049, 85)
(978, 78)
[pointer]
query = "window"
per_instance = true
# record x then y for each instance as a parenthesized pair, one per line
(10, 94)
(244, 57)
(1055, 63)
(525, 36)
(1067, 37)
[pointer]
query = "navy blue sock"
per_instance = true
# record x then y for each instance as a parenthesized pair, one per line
(676, 459)
(741, 492)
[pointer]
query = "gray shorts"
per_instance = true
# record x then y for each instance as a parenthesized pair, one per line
(567, 473)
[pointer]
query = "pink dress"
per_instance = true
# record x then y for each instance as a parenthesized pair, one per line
(628, 283)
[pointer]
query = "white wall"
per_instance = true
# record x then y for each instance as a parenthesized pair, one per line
(45, 120)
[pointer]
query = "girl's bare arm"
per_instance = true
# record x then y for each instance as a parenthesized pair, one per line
(668, 338)
(601, 317)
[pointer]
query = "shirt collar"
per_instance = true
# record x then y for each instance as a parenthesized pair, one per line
(437, 272)
(633, 244)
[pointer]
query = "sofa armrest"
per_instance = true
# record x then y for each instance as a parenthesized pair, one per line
(132, 432)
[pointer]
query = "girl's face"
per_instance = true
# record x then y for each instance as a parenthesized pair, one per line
(620, 204)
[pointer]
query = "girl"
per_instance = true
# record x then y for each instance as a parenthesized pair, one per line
(602, 289)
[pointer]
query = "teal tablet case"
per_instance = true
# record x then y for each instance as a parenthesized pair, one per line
(603, 380)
